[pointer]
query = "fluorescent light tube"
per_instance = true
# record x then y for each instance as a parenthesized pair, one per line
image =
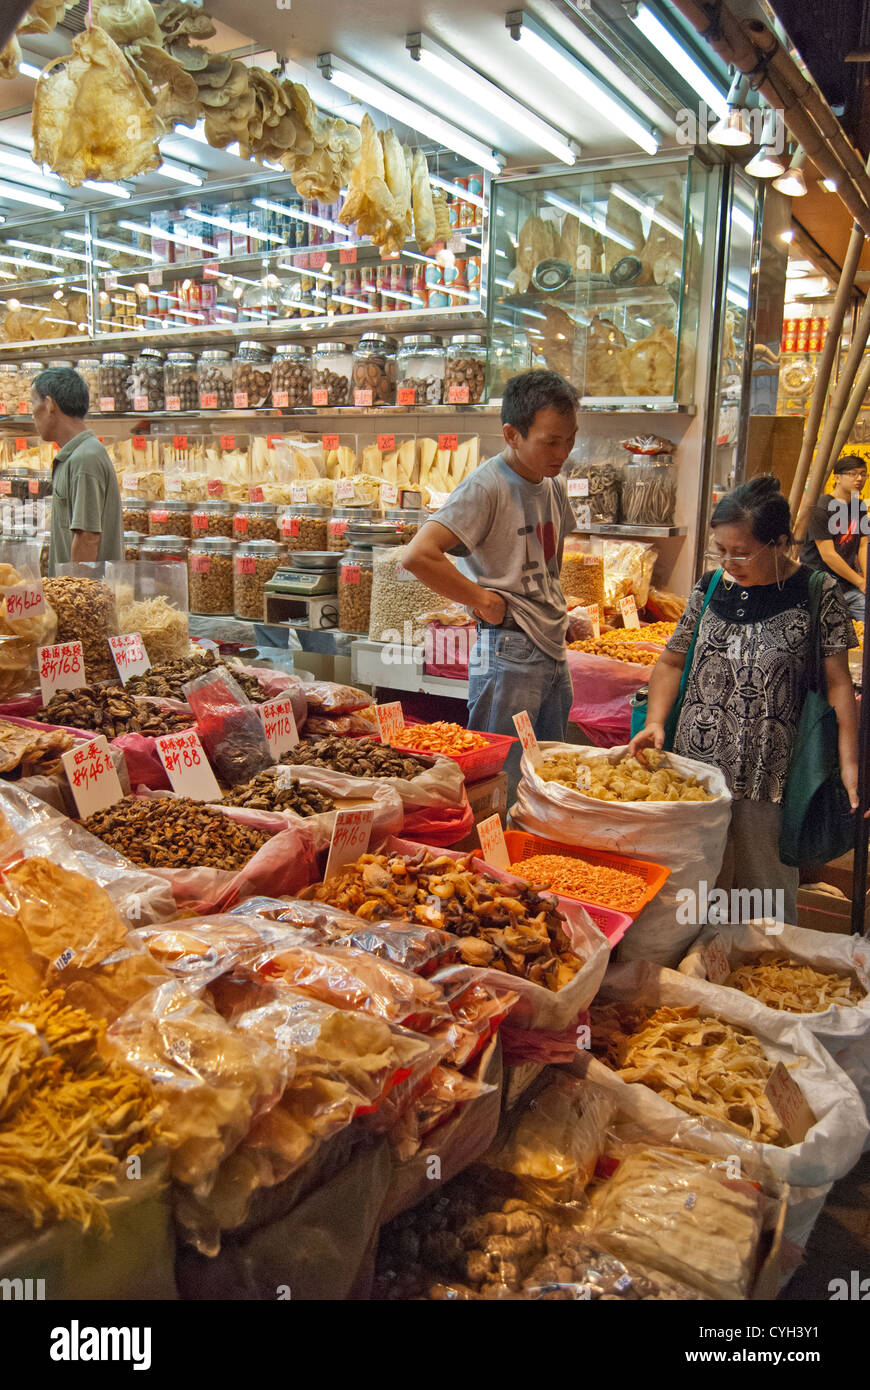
(232, 226)
(160, 234)
(298, 216)
(742, 220)
(134, 251)
(488, 95)
(39, 200)
(459, 192)
(114, 190)
(598, 224)
(404, 109)
(29, 70)
(55, 251)
(680, 59)
(572, 72)
(647, 210)
(180, 174)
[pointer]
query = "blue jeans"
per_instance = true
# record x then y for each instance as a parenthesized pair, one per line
(853, 599)
(508, 673)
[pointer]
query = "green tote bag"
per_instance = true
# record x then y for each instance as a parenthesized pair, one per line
(638, 703)
(817, 824)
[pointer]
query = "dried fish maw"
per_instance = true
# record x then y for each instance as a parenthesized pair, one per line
(424, 208)
(127, 21)
(647, 367)
(10, 57)
(90, 118)
(183, 20)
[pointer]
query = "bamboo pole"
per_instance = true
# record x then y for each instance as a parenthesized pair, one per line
(850, 414)
(826, 363)
(832, 421)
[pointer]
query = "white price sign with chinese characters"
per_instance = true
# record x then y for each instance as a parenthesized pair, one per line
(25, 601)
(628, 609)
(523, 726)
(344, 490)
(593, 612)
(716, 962)
(350, 838)
(61, 667)
(493, 846)
(188, 769)
(437, 500)
(391, 721)
(130, 655)
(788, 1101)
(279, 722)
(389, 494)
(92, 776)
(578, 487)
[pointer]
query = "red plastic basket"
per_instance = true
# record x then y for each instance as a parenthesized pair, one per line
(479, 762)
(522, 845)
(613, 924)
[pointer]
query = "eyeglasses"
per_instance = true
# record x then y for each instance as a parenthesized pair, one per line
(737, 559)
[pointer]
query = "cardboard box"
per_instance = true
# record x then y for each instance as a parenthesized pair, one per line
(823, 912)
(486, 798)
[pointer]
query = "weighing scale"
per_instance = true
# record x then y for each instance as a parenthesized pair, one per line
(303, 594)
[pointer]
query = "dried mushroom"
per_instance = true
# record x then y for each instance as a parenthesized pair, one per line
(174, 832)
(355, 757)
(263, 793)
(111, 712)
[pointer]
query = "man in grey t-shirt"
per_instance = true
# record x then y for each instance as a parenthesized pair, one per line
(86, 513)
(506, 523)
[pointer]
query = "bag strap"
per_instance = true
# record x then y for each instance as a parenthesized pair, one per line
(815, 661)
(690, 654)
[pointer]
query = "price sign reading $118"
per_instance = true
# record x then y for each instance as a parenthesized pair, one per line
(350, 838)
(92, 776)
(279, 723)
(130, 655)
(188, 769)
(61, 667)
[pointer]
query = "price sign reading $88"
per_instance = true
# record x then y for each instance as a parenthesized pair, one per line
(188, 769)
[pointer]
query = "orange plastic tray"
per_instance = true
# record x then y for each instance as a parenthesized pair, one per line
(522, 845)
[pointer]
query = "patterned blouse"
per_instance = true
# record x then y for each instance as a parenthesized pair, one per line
(746, 687)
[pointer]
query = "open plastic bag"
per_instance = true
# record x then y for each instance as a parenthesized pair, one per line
(332, 698)
(229, 726)
(199, 949)
(440, 786)
(388, 817)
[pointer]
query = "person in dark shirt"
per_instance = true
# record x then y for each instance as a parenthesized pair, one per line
(836, 539)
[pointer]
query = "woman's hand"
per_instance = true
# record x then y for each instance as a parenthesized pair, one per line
(849, 774)
(652, 736)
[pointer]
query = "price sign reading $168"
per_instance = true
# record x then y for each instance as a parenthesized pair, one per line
(92, 776)
(279, 723)
(188, 769)
(61, 667)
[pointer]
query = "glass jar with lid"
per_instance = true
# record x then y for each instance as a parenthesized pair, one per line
(256, 521)
(331, 371)
(420, 366)
(9, 393)
(146, 384)
(180, 381)
(88, 369)
(304, 526)
(132, 545)
(254, 563)
(340, 519)
(115, 381)
(649, 491)
(215, 379)
(355, 575)
(27, 374)
(291, 376)
(374, 370)
(170, 519)
(135, 513)
(212, 518)
(210, 576)
(252, 376)
(407, 521)
(13, 483)
(170, 549)
(465, 374)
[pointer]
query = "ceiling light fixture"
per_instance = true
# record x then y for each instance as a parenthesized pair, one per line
(829, 185)
(30, 70)
(580, 80)
(410, 112)
(180, 173)
(787, 235)
(680, 59)
(39, 200)
(766, 163)
(734, 128)
(484, 93)
(792, 183)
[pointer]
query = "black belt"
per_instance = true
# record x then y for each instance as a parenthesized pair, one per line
(508, 625)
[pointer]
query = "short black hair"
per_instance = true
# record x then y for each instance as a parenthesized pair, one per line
(67, 389)
(529, 392)
(847, 462)
(759, 504)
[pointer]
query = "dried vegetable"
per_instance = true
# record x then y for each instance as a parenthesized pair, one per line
(167, 679)
(791, 985)
(355, 757)
(28, 752)
(265, 793)
(110, 711)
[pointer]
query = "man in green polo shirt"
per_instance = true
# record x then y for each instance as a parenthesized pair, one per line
(86, 516)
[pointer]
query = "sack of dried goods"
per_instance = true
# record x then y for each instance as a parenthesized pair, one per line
(667, 809)
(86, 613)
(355, 767)
(676, 1047)
(279, 790)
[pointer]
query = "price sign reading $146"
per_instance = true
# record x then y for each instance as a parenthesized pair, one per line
(61, 667)
(279, 723)
(350, 838)
(188, 769)
(92, 776)
(130, 655)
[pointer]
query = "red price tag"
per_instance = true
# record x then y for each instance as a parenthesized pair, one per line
(179, 441)
(92, 776)
(316, 260)
(336, 527)
(215, 487)
(173, 402)
(240, 527)
(256, 494)
(279, 723)
(350, 574)
(447, 441)
(788, 1101)
(493, 846)
(347, 255)
(240, 400)
(2, 407)
(208, 400)
(523, 726)
(301, 262)
(330, 441)
(406, 395)
(61, 667)
(130, 655)
(386, 442)
(628, 609)
(362, 398)
(350, 838)
(200, 564)
(458, 395)
(25, 601)
(281, 399)
(290, 526)
(106, 403)
(199, 522)
(33, 487)
(187, 767)
(20, 443)
(5, 487)
(159, 515)
(716, 961)
(228, 441)
(273, 439)
(140, 402)
(320, 396)
(391, 721)
(138, 441)
(246, 564)
(211, 271)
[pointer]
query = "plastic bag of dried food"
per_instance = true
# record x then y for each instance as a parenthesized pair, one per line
(363, 721)
(553, 1139)
(86, 613)
(199, 949)
(628, 569)
(65, 926)
(420, 782)
(328, 697)
(575, 1269)
(17, 605)
(648, 444)
(476, 1013)
(213, 1081)
(231, 730)
(434, 1104)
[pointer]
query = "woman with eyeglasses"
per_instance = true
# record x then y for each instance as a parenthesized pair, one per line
(747, 680)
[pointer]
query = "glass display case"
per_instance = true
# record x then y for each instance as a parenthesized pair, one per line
(597, 273)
